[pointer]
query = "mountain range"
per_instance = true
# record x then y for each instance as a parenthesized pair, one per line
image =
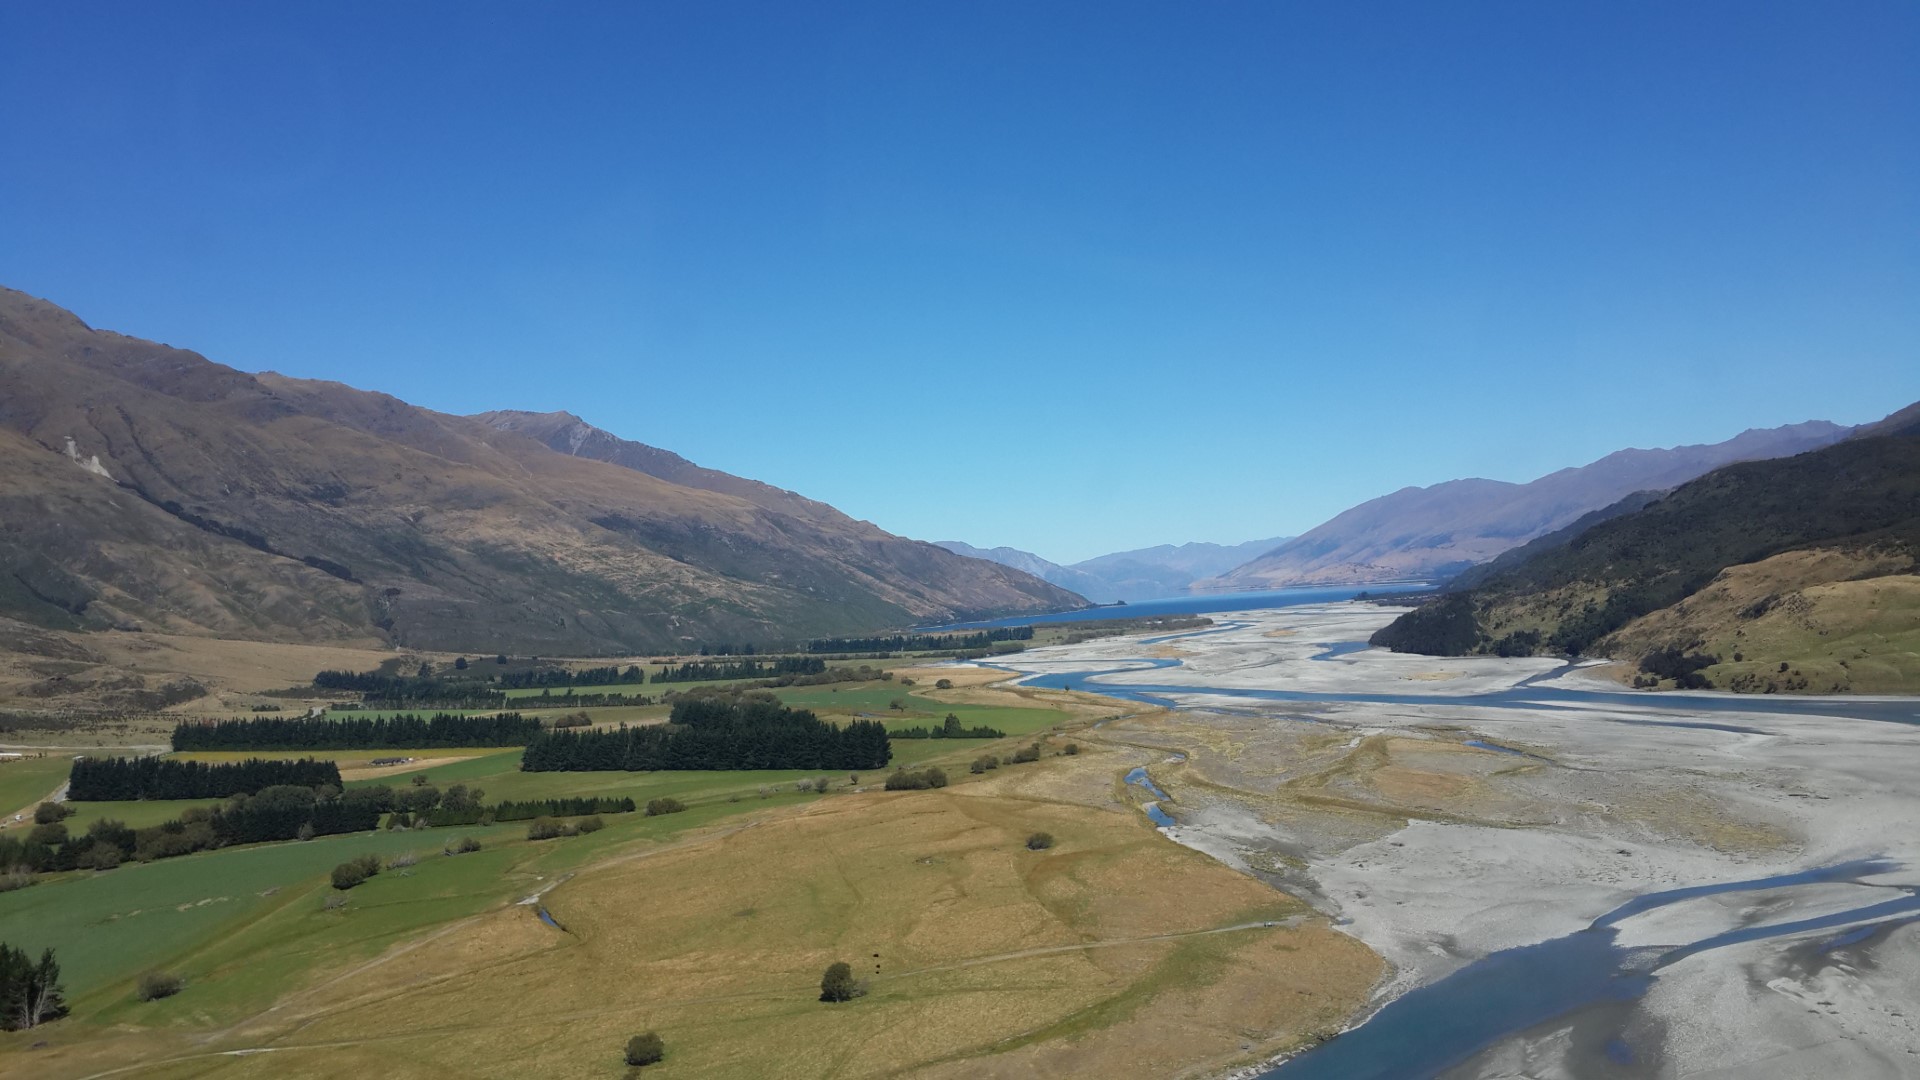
(145, 487)
(1435, 532)
(1792, 574)
(1140, 574)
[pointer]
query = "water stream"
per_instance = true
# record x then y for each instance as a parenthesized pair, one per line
(1443, 1024)
(1435, 1027)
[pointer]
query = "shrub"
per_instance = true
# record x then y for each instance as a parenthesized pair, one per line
(543, 828)
(1072, 748)
(155, 985)
(465, 845)
(18, 877)
(355, 871)
(645, 1049)
(48, 813)
(1027, 753)
(590, 824)
(1039, 841)
(943, 684)
(667, 804)
(402, 860)
(99, 857)
(334, 902)
(837, 984)
(52, 834)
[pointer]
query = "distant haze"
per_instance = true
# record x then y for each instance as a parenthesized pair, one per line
(1141, 574)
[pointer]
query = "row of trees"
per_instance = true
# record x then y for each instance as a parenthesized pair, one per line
(409, 731)
(526, 811)
(283, 812)
(30, 992)
(751, 731)
(951, 729)
(401, 690)
(120, 779)
(717, 670)
(610, 675)
(921, 642)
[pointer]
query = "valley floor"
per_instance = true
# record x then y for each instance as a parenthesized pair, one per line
(1112, 953)
(1442, 817)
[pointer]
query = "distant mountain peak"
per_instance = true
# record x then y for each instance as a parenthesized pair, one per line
(1443, 528)
(1140, 574)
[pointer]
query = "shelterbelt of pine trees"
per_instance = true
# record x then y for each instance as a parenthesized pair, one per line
(407, 732)
(716, 732)
(921, 642)
(579, 806)
(113, 779)
(713, 670)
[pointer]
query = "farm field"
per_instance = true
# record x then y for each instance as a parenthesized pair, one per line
(247, 921)
(25, 782)
(874, 700)
(496, 770)
(1112, 953)
(993, 960)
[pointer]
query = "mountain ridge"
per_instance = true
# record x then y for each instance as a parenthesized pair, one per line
(1441, 529)
(1788, 574)
(272, 508)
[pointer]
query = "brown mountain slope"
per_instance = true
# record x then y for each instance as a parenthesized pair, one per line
(568, 434)
(287, 509)
(1440, 530)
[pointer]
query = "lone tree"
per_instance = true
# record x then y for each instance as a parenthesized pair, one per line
(837, 983)
(645, 1049)
(1040, 841)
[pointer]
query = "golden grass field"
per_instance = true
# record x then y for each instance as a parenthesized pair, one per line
(974, 948)
(1115, 953)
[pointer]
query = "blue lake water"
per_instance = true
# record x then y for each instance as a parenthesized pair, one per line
(1198, 604)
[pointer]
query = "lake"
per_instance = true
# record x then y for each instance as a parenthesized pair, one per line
(1198, 604)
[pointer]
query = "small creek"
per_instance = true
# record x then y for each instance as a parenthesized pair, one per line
(1139, 778)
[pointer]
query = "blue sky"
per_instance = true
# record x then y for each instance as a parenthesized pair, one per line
(1071, 277)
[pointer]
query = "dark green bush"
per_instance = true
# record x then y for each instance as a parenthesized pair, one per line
(645, 1049)
(155, 985)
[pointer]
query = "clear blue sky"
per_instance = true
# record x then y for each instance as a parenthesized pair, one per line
(1072, 277)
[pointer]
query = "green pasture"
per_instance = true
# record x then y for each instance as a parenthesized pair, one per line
(245, 924)
(874, 700)
(25, 782)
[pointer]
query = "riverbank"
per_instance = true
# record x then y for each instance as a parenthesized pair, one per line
(1444, 816)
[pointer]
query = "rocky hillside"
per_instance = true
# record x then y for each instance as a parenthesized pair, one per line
(145, 486)
(1796, 574)
(1438, 531)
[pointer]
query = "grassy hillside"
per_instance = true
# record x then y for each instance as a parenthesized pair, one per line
(1802, 561)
